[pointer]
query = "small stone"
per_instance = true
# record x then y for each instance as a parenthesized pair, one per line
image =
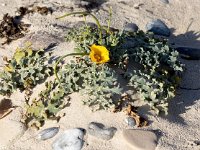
(165, 1)
(100, 131)
(130, 121)
(71, 139)
(76, 2)
(130, 27)
(189, 53)
(158, 27)
(85, 3)
(137, 6)
(140, 139)
(48, 133)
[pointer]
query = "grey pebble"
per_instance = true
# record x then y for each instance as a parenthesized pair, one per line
(165, 1)
(71, 139)
(131, 27)
(189, 53)
(84, 3)
(158, 27)
(130, 121)
(47, 133)
(140, 139)
(100, 131)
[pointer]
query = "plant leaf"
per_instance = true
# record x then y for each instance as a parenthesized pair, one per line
(18, 56)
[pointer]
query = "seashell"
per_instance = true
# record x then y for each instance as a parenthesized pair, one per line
(47, 133)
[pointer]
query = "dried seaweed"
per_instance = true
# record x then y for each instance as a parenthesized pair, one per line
(36, 9)
(12, 29)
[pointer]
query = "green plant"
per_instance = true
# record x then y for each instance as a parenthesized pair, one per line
(159, 73)
(46, 106)
(24, 70)
(148, 65)
(99, 82)
(142, 58)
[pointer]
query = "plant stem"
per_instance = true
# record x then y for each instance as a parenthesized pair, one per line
(61, 58)
(86, 13)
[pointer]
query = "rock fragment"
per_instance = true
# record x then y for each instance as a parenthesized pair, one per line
(100, 131)
(140, 139)
(71, 139)
(158, 27)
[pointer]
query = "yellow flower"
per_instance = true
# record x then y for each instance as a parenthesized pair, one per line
(99, 54)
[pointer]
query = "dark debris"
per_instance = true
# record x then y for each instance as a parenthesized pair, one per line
(12, 29)
(36, 9)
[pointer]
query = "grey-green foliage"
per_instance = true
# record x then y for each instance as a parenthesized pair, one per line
(24, 70)
(155, 91)
(96, 81)
(83, 37)
(46, 106)
(156, 62)
(159, 75)
(99, 82)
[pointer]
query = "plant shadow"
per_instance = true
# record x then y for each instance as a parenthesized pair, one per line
(187, 39)
(189, 91)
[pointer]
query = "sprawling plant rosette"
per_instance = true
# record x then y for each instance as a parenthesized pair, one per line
(107, 63)
(148, 64)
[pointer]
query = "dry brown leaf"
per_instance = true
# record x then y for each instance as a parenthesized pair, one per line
(132, 112)
(6, 108)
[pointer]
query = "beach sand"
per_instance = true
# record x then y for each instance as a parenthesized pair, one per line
(179, 130)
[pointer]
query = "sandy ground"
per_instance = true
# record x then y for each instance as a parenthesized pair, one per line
(180, 130)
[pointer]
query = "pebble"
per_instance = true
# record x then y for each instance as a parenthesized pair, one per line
(165, 1)
(84, 3)
(47, 133)
(100, 131)
(140, 139)
(189, 53)
(130, 121)
(137, 6)
(158, 27)
(131, 27)
(71, 139)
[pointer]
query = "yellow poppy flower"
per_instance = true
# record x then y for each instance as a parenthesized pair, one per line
(99, 54)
